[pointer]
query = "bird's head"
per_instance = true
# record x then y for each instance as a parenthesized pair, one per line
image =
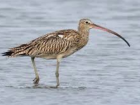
(87, 24)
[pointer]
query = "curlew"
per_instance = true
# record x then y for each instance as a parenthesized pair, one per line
(57, 45)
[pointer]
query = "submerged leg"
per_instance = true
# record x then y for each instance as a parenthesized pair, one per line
(36, 80)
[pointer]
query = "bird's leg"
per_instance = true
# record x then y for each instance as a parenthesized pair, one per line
(57, 70)
(36, 80)
(57, 73)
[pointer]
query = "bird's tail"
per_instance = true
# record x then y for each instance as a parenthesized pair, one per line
(16, 51)
(8, 53)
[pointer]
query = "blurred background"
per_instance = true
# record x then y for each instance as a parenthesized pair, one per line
(105, 72)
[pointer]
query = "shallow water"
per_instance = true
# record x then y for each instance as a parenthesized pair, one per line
(105, 72)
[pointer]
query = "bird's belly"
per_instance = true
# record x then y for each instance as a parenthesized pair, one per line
(54, 56)
(49, 56)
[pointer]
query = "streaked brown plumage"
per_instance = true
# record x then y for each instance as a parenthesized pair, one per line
(48, 45)
(57, 45)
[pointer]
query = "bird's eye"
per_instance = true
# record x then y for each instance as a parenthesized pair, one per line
(86, 22)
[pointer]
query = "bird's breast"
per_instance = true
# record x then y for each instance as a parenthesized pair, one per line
(83, 42)
(69, 52)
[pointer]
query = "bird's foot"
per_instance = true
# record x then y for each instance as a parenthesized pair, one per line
(36, 80)
(57, 85)
(54, 86)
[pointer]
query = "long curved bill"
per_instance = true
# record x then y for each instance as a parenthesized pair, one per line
(110, 31)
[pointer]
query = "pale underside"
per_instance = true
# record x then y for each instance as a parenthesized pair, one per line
(63, 55)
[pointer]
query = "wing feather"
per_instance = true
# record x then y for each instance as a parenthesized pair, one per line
(52, 43)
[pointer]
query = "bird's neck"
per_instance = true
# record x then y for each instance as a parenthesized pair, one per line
(84, 36)
(83, 31)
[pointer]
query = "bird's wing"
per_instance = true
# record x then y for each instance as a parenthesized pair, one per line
(70, 35)
(53, 43)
